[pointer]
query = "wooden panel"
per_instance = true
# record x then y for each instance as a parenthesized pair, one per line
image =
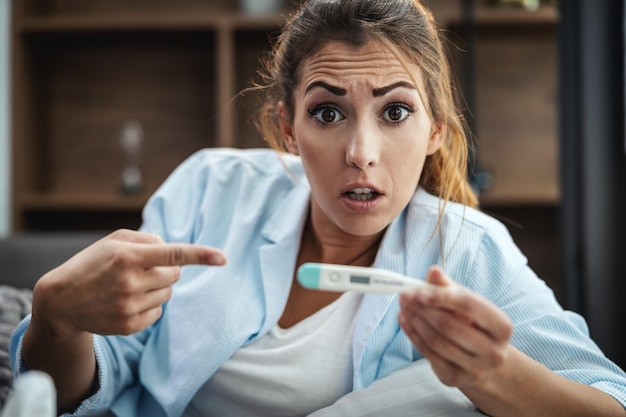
(27, 162)
(225, 87)
(251, 47)
(92, 85)
(144, 7)
(516, 111)
(450, 13)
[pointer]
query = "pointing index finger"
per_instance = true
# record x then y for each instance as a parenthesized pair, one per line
(179, 254)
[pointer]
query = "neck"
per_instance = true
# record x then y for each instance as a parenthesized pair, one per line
(347, 250)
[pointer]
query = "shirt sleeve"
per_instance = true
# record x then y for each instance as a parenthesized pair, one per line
(116, 359)
(543, 330)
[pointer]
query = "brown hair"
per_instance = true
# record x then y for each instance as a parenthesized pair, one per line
(410, 30)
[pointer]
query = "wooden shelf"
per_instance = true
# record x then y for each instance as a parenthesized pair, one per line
(508, 15)
(87, 202)
(140, 23)
(449, 12)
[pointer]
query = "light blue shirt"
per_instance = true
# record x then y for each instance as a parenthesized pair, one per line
(253, 206)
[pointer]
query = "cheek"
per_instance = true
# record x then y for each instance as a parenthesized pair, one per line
(315, 149)
(408, 175)
(319, 164)
(317, 160)
(405, 173)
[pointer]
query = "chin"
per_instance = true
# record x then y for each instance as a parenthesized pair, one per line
(363, 228)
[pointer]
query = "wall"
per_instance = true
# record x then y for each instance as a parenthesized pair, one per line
(5, 150)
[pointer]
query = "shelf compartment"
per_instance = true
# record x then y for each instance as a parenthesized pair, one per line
(88, 87)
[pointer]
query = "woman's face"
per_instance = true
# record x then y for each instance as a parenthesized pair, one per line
(363, 134)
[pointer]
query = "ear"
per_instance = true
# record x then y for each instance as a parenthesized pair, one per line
(286, 129)
(436, 138)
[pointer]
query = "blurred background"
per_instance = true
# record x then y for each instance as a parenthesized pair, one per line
(101, 99)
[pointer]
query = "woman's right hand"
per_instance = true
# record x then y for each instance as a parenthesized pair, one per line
(115, 286)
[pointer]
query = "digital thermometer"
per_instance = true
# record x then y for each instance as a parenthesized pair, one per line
(360, 279)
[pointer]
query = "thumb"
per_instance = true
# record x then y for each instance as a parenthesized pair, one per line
(436, 276)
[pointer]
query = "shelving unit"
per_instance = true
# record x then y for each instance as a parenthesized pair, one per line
(81, 70)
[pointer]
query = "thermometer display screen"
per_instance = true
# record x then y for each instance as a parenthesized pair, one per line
(356, 279)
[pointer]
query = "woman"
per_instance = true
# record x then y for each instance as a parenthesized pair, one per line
(374, 174)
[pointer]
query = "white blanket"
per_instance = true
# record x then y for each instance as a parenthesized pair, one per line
(411, 391)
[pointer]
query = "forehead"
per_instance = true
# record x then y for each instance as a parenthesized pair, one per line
(372, 63)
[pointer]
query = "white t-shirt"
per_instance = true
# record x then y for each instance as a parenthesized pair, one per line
(287, 372)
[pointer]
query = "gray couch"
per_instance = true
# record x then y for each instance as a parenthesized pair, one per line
(24, 258)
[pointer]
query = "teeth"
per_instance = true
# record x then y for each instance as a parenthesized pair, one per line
(361, 194)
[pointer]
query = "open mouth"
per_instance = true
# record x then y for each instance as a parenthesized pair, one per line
(361, 194)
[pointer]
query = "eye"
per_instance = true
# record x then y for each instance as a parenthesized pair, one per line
(396, 113)
(326, 115)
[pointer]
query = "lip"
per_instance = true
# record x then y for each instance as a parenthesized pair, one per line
(358, 205)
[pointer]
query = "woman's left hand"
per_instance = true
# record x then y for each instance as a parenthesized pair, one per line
(463, 335)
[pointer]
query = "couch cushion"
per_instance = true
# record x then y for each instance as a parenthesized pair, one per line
(24, 258)
(15, 304)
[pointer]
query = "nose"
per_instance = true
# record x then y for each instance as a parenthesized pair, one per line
(363, 148)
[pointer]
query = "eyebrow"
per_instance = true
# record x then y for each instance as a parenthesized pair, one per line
(376, 92)
(338, 91)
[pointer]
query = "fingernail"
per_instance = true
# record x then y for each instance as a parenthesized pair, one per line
(218, 259)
